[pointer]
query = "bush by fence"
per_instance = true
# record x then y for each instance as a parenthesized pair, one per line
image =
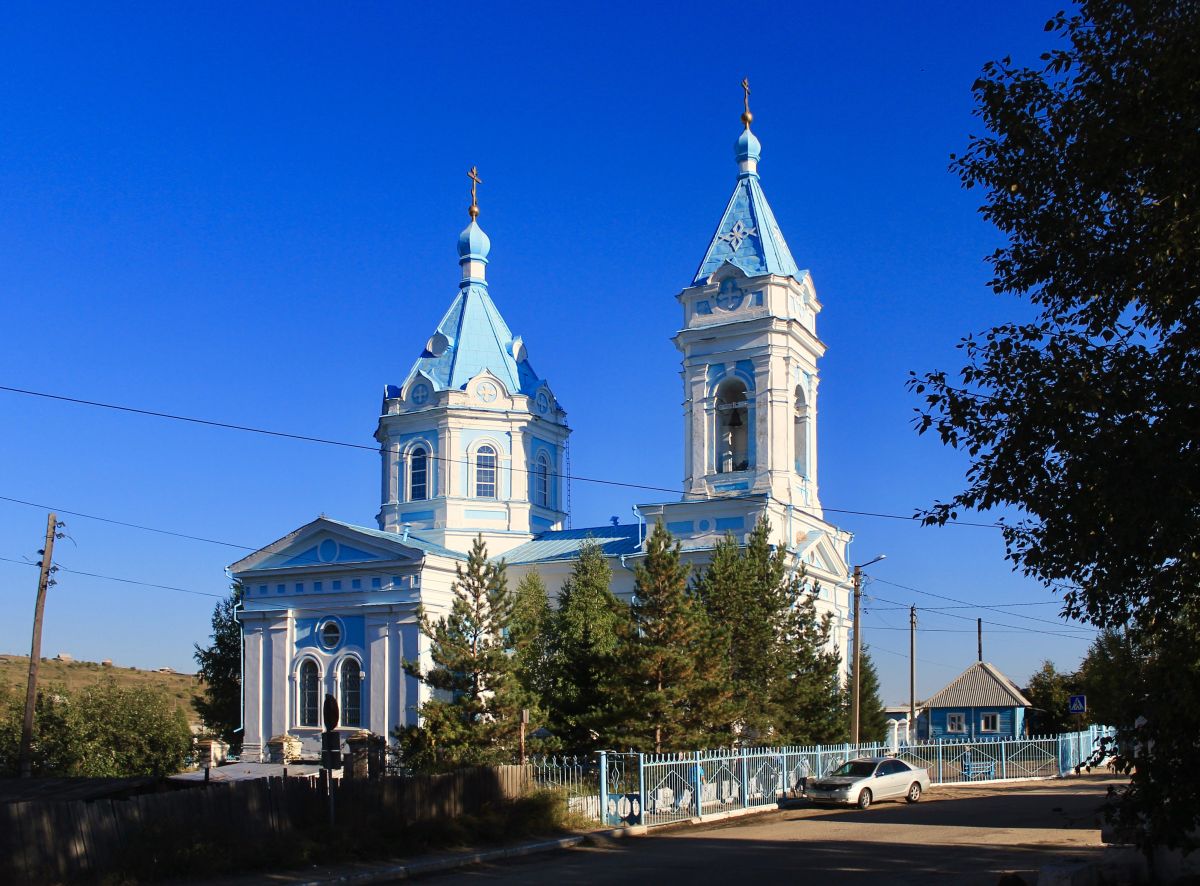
(267, 821)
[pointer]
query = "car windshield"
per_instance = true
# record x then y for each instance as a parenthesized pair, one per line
(856, 768)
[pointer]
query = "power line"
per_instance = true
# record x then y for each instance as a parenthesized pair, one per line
(128, 581)
(1076, 636)
(966, 604)
(213, 541)
(361, 446)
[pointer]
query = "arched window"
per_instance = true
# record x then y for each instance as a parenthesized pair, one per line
(485, 472)
(801, 432)
(310, 693)
(733, 427)
(351, 693)
(541, 481)
(418, 474)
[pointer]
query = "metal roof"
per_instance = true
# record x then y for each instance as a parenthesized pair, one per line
(748, 237)
(564, 544)
(413, 540)
(979, 686)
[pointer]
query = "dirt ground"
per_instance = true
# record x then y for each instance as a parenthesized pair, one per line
(961, 835)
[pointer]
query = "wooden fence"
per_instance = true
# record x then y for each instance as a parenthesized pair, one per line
(68, 841)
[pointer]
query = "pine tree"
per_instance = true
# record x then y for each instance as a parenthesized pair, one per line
(586, 631)
(474, 718)
(872, 721)
(671, 696)
(220, 705)
(531, 630)
(808, 701)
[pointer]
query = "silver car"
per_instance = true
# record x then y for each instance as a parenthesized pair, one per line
(867, 779)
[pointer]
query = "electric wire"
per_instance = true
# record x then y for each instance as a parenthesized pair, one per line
(364, 447)
(128, 581)
(964, 603)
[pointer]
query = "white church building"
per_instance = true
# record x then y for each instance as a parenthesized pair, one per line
(473, 443)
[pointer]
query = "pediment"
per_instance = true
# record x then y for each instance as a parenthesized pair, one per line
(326, 542)
(816, 551)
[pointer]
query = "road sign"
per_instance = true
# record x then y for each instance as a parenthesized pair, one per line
(1078, 704)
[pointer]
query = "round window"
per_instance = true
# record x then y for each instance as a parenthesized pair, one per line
(331, 634)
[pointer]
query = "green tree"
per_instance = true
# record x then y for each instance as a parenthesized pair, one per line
(220, 704)
(670, 695)
(872, 721)
(104, 730)
(585, 635)
(1050, 692)
(743, 596)
(1113, 677)
(531, 631)
(807, 698)
(1084, 418)
(473, 719)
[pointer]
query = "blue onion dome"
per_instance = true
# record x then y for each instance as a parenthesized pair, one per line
(473, 242)
(747, 146)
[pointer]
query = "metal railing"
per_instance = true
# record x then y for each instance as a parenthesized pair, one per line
(650, 789)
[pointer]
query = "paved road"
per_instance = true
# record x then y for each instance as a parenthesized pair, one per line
(958, 835)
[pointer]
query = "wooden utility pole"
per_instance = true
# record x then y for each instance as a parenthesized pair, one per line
(912, 673)
(857, 655)
(979, 636)
(35, 652)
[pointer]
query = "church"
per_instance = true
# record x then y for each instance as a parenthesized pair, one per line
(473, 443)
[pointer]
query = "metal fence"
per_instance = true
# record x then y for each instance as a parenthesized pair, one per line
(630, 788)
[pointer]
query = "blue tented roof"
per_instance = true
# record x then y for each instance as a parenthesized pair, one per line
(748, 237)
(478, 339)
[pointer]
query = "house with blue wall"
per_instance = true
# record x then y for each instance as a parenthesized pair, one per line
(980, 703)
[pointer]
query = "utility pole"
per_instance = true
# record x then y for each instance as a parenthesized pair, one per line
(979, 636)
(857, 654)
(854, 708)
(912, 673)
(35, 652)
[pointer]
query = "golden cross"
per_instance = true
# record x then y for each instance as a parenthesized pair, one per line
(473, 175)
(747, 116)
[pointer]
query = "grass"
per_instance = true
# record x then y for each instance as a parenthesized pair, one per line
(76, 675)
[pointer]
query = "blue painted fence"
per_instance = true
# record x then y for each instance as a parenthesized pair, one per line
(655, 789)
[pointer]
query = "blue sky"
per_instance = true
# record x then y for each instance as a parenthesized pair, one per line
(249, 213)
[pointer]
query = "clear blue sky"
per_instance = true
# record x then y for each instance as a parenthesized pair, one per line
(248, 212)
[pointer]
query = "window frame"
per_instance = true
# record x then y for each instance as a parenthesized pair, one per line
(956, 717)
(344, 706)
(984, 717)
(541, 481)
(421, 451)
(308, 666)
(323, 626)
(485, 451)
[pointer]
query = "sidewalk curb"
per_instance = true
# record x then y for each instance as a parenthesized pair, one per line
(436, 865)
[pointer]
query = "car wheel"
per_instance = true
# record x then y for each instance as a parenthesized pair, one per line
(864, 799)
(914, 793)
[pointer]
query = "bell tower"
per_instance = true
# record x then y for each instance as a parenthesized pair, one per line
(750, 352)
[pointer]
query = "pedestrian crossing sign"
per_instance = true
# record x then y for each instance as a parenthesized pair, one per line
(1078, 704)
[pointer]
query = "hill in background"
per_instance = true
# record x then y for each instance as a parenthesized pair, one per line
(75, 675)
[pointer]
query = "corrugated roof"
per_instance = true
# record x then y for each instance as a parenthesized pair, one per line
(980, 685)
(564, 544)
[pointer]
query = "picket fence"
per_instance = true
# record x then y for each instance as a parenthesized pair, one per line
(45, 841)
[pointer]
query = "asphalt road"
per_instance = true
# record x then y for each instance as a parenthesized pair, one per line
(958, 835)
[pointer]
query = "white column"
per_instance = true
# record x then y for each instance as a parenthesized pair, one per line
(379, 675)
(253, 740)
